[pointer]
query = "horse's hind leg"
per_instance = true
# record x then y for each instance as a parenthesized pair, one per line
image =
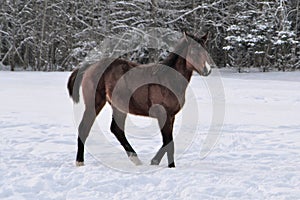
(83, 132)
(117, 128)
(85, 126)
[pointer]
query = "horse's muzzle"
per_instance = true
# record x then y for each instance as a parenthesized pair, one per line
(206, 71)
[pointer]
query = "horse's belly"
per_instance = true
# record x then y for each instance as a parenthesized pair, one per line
(126, 101)
(139, 103)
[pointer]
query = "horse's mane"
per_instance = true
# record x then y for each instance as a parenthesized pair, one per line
(175, 54)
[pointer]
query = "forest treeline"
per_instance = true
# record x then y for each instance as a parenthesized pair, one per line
(51, 35)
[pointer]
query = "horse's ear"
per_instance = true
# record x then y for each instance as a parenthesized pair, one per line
(205, 37)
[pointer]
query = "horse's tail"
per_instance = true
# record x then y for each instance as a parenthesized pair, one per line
(74, 83)
(75, 80)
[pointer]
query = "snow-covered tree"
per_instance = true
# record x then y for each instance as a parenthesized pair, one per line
(58, 34)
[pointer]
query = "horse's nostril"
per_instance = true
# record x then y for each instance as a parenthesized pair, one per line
(206, 71)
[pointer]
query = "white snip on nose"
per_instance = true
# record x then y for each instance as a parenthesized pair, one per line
(208, 68)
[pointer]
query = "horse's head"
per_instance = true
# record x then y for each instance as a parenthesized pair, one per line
(197, 58)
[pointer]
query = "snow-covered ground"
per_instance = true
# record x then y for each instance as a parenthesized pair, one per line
(257, 155)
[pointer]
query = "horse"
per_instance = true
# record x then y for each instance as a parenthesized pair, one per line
(154, 90)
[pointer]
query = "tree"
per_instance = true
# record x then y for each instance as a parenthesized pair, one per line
(54, 35)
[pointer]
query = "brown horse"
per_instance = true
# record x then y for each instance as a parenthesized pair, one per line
(156, 90)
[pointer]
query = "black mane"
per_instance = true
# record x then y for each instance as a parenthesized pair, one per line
(179, 49)
(175, 54)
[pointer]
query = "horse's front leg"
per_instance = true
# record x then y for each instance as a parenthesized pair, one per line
(117, 128)
(168, 143)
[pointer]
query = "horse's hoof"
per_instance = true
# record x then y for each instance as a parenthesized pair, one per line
(154, 162)
(79, 164)
(135, 160)
(172, 165)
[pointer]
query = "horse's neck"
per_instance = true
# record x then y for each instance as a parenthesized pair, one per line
(177, 61)
(181, 67)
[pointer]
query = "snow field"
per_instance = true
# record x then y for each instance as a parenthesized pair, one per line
(256, 157)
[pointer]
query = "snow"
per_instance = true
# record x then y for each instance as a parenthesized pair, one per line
(259, 52)
(279, 42)
(227, 48)
(233, 28)
(256, 157)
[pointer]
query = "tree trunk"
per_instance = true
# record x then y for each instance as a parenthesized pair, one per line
(0, 46)
(153, 12)
(12, 62)
(39, 62)
(26, 57)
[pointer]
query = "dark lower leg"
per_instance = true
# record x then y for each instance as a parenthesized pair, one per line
(117, 128)
(159, 155)
(120, 135)
(170, 153)
(80, 151)
(168, 148)
(83, 132)
(168, 144)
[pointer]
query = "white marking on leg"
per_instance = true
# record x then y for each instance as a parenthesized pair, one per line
(79, 164)
(135, 160)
